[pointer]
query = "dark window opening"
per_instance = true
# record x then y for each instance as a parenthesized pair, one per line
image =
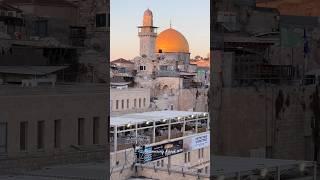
(81, 131)
(57, 133)
(40, 28)
(101, 20)
(77, 35)
(127, 103)
(3, 137)
(40, 135)
(122, 104)
(96, 121)
(23, 135)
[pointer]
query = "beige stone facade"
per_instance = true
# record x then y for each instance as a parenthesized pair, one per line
(129, 100)
(52, 122)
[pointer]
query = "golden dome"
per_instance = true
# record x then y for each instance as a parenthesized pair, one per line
(171, 40)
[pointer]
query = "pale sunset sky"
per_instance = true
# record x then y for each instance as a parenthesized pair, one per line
(190, 17)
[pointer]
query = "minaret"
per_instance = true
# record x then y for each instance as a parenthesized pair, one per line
(147, 34)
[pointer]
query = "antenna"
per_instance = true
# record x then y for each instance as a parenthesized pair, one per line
(170, 23)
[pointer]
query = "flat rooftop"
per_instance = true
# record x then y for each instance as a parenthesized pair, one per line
(229, 164)
(97, 171)
(138, 118)
(58, 89)
(132, 90)
(92, 171)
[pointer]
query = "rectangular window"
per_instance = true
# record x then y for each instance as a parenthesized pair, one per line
(40, 135)
(163, 68)
(127, 103)
(101, 20)
(122, 104)
(117, 104)
(81, 131)
(96, 121)
(202, 152)
(139, 102)
(3, 137)
(144, 67)
(135, 103)
(77, 35)
(189, 156)
(40, 28)
(144, 102)
(57, 133)
(141, 68)
(23, 135)
(199, 153)
(109, 20)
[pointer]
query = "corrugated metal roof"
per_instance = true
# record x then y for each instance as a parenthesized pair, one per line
(138, 118)
(7, 7)
(43, 2)
(121, 60)
(30, 70)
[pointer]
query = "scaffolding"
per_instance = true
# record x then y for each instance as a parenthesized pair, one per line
(148, 128)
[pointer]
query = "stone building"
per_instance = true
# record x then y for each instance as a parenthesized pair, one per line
(259, 85)
(61, 28)
(129, 100)
(11, 23)
(65, 121)
(164, 67)
(55, 125)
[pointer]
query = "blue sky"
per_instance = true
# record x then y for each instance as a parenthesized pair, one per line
(190, 17)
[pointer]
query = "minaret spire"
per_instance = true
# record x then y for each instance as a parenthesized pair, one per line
(147, 34)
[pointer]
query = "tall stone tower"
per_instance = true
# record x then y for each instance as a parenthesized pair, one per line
(147, 34)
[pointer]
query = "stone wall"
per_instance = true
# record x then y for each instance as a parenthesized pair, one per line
(65, 107)
(131, 95)
(274, 119)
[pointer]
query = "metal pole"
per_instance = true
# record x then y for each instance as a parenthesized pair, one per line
(115, 139)
(154, 132)
(197, 121)
(208, 122)
(136, 133)
(278, 173)
(184, 126)
(169, 129)
(315, 171)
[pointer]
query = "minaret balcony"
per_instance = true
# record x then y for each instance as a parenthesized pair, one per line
(147, 34)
